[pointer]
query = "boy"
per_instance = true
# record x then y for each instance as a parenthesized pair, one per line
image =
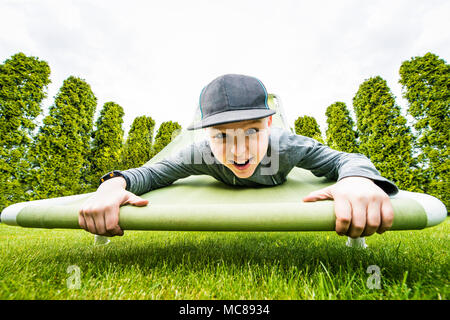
(238, 122)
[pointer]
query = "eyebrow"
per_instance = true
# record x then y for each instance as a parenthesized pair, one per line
(255, 121)
(248, 124)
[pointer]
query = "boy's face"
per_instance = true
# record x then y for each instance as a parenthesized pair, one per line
(240, 146)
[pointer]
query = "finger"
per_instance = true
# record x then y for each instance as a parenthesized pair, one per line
(343, 212)
(82, 221)
(373, 218)
(112, 221)
(107, 233)
(359, 211)
(136, 201)
(322, 194)
(100, 223)
(90, 223)
(387, 216)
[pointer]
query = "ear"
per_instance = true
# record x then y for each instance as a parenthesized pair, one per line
(269, 122)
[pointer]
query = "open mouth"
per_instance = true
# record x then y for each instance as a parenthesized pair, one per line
(241, 166)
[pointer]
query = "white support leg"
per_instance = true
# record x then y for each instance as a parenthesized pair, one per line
(356, 243)
(100, 240)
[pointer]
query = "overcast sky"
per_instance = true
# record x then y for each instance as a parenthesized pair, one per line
(154, 57)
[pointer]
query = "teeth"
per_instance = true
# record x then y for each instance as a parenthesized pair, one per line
(242, 162)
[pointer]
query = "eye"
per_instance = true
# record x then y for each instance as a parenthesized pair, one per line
(220, 136)
(252, 131)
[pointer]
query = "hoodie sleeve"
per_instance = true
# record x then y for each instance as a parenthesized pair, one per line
(187, 162)
(322, 161)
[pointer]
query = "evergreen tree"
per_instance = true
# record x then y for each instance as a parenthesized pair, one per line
(426, 86)
(307, 126)
(107, 147)
(62, 146)
(138, 147)
(23, 84)
(166, 133)
(384, 136)
(340, 133)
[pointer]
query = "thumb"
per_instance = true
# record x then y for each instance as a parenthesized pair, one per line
(136, 201)
(322, 194)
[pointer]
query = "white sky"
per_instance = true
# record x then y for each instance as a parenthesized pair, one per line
(154, 57)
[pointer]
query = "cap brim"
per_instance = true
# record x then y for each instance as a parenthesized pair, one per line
(231, 116)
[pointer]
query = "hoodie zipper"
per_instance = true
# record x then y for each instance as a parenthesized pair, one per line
(274, 181)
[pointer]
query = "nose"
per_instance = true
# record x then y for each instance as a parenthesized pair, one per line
(239, 148)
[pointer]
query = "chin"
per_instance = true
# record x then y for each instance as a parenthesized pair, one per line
(244, 175)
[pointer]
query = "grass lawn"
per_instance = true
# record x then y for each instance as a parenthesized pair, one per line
(221, 265)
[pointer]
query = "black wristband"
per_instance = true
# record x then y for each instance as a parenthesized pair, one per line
(110, 175)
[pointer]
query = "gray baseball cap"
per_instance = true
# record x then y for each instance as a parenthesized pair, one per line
(231, 98)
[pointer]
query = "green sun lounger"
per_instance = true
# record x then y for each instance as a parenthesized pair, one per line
(200, 203)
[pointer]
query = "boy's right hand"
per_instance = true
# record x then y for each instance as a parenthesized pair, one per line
(100, 213)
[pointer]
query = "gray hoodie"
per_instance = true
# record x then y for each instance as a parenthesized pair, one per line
(285, 151)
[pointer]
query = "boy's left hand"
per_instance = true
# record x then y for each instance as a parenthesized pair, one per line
(361, 207)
